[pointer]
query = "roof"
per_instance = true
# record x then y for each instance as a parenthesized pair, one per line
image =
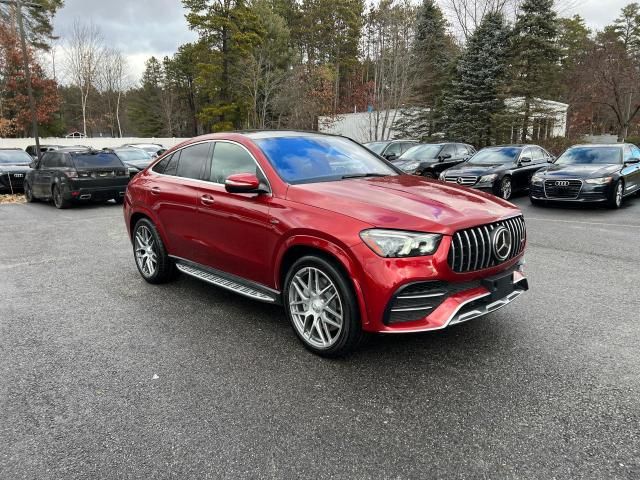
(598, 145)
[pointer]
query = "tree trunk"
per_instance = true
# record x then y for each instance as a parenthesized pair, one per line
(118, 115)
(525, 120)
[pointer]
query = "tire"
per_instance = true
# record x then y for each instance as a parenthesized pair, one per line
(505, 190)
(429, 175)
(537, 203)
(317, 324)
(28, 193)
(149, 253)
(615, 201)
(119, 200)
(58, 199)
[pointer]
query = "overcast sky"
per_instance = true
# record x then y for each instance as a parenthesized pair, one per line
(142, 28)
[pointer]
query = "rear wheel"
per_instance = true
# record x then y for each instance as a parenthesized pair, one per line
(58, 199)
(28, 193)
(152, 259)
(322, 307)
(615, 201)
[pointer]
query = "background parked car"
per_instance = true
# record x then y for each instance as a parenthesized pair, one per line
(391, 149)
(135, 159)
(14, 164)
(429, 160)
(153, 149)
(31, 149)
(589, 173)
(501, 170)
(68, 175)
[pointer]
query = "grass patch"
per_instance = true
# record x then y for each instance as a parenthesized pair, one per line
(17, 198)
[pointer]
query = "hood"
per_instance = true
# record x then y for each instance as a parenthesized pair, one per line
(405, 202)
(579, 171)
(477, 170)
(13, 168)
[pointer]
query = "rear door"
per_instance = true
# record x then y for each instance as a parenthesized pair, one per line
(632, 172)
(523, 169)
(44, 173)
(172, 195)
(235, 233)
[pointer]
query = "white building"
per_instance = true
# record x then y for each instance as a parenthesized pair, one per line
(548, 119)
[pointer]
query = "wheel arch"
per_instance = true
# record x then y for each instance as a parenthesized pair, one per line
(298, 247)
(137, 215)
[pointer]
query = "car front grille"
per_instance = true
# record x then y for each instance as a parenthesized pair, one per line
(562, 188)
(467, 181)
(473, 249)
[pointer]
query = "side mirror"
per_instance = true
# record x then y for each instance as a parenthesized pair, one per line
(34, 164)
(242, 183)
(391, 157)
(525, 160)
(444, 156)
(632, 161)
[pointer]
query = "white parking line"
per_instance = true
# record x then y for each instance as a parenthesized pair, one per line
(583, 223)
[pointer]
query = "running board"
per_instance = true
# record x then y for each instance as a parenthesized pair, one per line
(256, 292)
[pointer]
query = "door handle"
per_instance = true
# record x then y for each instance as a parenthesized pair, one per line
(207, 200)
(155, 191)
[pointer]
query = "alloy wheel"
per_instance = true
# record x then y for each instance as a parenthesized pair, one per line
(145, 250)
(619, 193)
(28, 194)
(506, 189)
(57, 197)
(316, 307)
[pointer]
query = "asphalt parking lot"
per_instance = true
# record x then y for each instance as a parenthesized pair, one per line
(105, 376)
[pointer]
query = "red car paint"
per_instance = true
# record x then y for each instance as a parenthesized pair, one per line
(248, 235)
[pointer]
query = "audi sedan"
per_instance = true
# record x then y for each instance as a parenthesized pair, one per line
(14, 165)
(338, 236)
(589, 174)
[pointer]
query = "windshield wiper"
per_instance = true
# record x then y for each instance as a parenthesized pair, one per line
(364, 175)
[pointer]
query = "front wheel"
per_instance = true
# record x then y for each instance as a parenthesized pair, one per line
(506, 188)
(322, 308)
(429, 175)
(615, 201)
(28, 193)
(152, 259)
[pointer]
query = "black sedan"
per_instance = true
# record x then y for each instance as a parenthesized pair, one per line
(135, 159)
(14, 164)
(589, 173)
(390, 149)
(500, 170)
(429, 160)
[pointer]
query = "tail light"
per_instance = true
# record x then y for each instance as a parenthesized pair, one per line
(71, 174)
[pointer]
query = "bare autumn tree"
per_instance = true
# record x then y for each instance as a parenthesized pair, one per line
(468, 14)
(616, 81)
(113, 82)
(84, 52)
(390, 30)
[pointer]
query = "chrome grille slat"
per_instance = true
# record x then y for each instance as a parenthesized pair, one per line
(471, 248)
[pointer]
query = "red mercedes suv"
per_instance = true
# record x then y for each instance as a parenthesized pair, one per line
(340, 237)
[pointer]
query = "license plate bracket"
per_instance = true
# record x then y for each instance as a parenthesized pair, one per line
(499, 286)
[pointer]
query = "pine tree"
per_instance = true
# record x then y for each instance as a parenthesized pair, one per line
(627, 28)
(535, 59)
(432, 55)
(473, 99)
(145, 110)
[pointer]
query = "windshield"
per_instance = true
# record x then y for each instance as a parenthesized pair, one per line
(421, 152)
(14, 157)
(321, 159)
(590, 155)
(132, 155)
(495, 156)
(376, 147)
(96, 160)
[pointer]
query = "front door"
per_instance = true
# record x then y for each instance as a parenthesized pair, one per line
(235, 232)
(44, 173)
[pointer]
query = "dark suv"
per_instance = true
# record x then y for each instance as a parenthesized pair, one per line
(69, 175)
(430, 159)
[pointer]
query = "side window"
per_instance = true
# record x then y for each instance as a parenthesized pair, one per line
(448, 150)
(406, 146)
(51, 160)
(635, 151)
(461, 150)
(229, 159)
(193, 159)
(470, 149)
(394, 149)
(172, 166)
(162, 164)
(536, 155)
(527, 152)
(45, 162)
(628, 155)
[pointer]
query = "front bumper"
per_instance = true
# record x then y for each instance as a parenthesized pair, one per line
(11, 182)
(433, 296)
(588, 193)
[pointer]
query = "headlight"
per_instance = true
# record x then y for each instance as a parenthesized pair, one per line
(396, 243)
(537, 178)
(599, 181)
(410, 167)
(488, 178)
